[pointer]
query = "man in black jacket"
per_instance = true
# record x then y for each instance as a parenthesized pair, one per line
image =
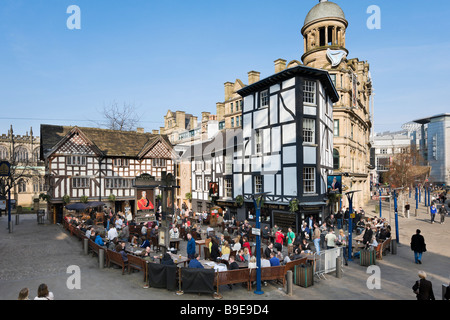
(367, 238)
(418, 246)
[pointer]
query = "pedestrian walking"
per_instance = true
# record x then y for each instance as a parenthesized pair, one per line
(423, 288)
(316, 238)
(442, 213)
(407, 208)
(418, 246)
(433, 211)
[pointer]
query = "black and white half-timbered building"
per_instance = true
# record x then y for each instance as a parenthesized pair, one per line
(102, 165)
(287, 145)
(285, 148)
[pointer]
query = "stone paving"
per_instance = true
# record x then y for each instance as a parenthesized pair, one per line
(33, 254)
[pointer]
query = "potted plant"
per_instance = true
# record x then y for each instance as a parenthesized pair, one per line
(259, 201)
(239, 200)
(293, 205)
(84, 199)
(188, 196)
(66, 199)
(112, 197)
(45, 197)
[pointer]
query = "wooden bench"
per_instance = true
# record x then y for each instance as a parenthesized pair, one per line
(291, 265)
(115, 258)
(270, 273)
(232, 277)
(382, 247)
(94, 247)
(137, 263)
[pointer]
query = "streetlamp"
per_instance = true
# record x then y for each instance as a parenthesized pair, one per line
(396, 213)
(350, 221)
(259, 197)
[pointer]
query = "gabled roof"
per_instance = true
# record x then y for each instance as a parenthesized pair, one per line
(108, 143)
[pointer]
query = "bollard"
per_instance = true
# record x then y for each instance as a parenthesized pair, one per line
(393, 247)
(289, 283)
(86, 246)
(101, 258)
(416, 212)
(444, 291)
(10, 224)
(17, 219)
(339, 267)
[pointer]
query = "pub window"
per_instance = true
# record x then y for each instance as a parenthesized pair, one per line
(336, 128)
(76, 161)
(121, 162)
(228, 188)
(309, 92)
(78, 183)
(258, 184)
(159, 162)
(199, 183)
(207, 181)
(264, 99)
(309, 130)
(258, 142)
(335, 159)
(309, 180)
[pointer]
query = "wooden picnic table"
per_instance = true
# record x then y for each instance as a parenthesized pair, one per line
(200, 243)
(177, 259)
(175, 241)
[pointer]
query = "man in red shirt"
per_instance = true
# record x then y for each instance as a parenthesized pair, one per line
(279, 238)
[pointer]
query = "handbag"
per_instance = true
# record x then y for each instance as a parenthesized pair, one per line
(416, 291)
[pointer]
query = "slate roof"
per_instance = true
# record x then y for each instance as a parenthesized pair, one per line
(112, 143)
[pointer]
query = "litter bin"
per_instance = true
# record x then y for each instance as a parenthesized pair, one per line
(304, 275)
(40, 216)
(367, 258)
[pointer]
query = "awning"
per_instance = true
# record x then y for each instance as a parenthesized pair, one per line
(82, 206)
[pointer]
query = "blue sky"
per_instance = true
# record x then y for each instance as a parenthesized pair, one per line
(174, 54)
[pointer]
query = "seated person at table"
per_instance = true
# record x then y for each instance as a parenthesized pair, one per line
(297, 254)
(268, 250)
(112, 233)
(305, 246)
(125, 233)
(208, 229)
(88, 232)
(265, 233)
(134, 241)
(144, 230)
(112, 244)
(360, 227)
(98, 239)
(194, 263)
(226, 233)
(237, 244)
(232, 265)
(240, 255)
(274, 261)
(120, 248)
(167, 260)
(265, 263)
(252, 263)
(145, 244)
(246, 244)
(226, 250)
(146, 254)
(154, 232)
(283, 260)
(174, 233)
(246, 254)
(214, 251)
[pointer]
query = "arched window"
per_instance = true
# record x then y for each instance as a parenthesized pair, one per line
(336, 164)
(3, 153)
(36, 154)
(21, 154)
(22, 186)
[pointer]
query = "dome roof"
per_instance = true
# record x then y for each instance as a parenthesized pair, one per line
(325, 9)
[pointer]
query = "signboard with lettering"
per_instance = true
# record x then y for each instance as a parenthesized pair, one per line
(5, 169)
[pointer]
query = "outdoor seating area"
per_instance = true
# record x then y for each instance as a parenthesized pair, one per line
(143, 259)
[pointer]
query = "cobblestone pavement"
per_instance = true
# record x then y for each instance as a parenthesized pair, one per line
(33, 254)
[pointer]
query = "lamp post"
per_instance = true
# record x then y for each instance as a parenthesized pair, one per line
(417, 200)
(380, 204)
(396, 216)
(257, 204)
(350, 222)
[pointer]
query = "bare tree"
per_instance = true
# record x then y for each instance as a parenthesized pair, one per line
(123, 118)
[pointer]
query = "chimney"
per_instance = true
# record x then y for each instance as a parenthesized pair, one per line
(280, 65)
(155, 131)
(228, 90)
(193, 122)
(220, 110)
(205, 116)
(140, 130)
(253, 76)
